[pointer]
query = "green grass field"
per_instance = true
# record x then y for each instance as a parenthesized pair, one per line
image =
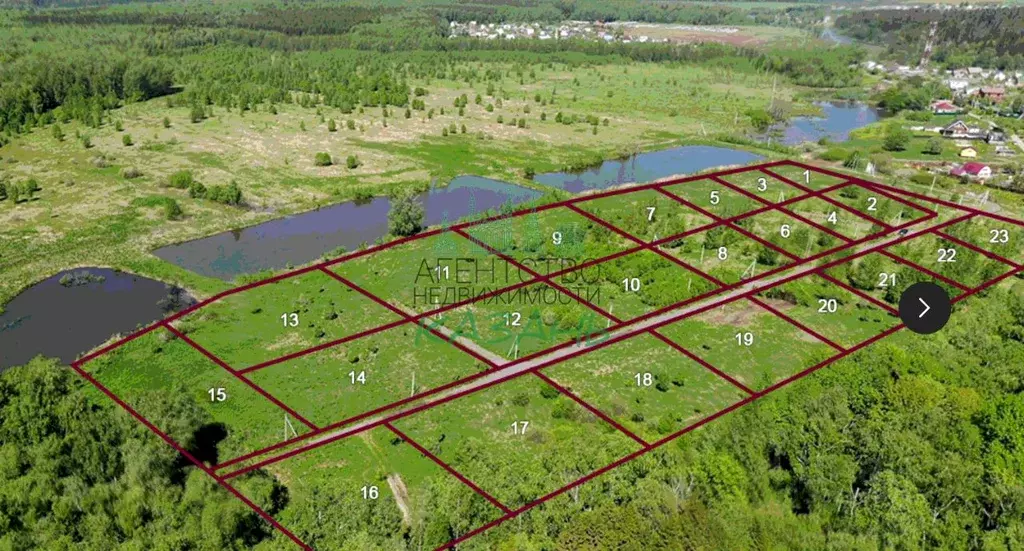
(763, 186)
(882, 277)
(726, 254)
(353, 378)
(715, 198)
(377, 486)
(830, 310)
(877, 206)
(646, 214)
(645, 385)
(424, 274)
(159, 364)
(791, 234)
(950, 259)
(833, 217)
(276, 319)
(994, 236)
(518, 440)
(749, 343)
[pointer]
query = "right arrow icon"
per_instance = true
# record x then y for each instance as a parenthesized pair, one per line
(926, 307)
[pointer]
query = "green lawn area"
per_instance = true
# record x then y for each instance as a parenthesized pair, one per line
(830, 310)
(877, 206)
(672, 390)
(715, 198)
(522, 321)
(791, 234)
(425, 274)
(646, 214)
(342, 492)
(159, 363)
(882, 277)
(518, 440)
(635, 284)
(833, 217)
(726, 254)
(807, 178)
(995, 236)
(550, 240)
(361, 375)
(764, 186)
(776, 349)
(950, 259)
(273, 320)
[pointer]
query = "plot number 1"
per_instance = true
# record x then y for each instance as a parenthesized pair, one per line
(290, 320)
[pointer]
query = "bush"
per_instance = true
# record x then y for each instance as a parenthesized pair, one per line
(332, 126)
(130, 173)
(934, 147)
(529, 173)
(322, 159)
(406, 216)
(167, 122)
(126, 139)
(352, 162)
(172, 210)
(86, 142)
(350, 124)
(834, 154)
(58, 133)
(896, 138)
(3, 190)
(227, 195)
(181, 180)
(197, 114)
(197, 190)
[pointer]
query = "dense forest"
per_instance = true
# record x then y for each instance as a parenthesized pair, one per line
(992, 37)
(233, 57)
(914, 443)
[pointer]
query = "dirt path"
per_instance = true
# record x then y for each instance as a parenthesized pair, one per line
(401, 494)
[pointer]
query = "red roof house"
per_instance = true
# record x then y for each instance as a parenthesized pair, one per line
(979, 171)
(944, 107)
(994, 93)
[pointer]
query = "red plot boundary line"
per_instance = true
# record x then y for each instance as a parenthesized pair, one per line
(633, 321)
(828, 199)
(881, 304)
(796, 323)
(667, 439)
(922, 269)
(596, 346)
(977, 249)
(703, 363)
(448, 468)
(170, 441)
(238, 376)
(572, 396)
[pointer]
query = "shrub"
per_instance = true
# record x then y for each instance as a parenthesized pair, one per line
(118, 126)
(3, 190)
(181, 180)
(444, 131)
(197, 190)
(130, 173)
(352, 162)
(332, 126)
(896, 138)
(196, 114)
(126, 139)
(350, 124)
(529, 173)
(934, 147)
(228, 195)
(172, 210)
(58, 133)
(167, 122)
(322, 159)
(86, 142)
(834, 154)
(29, 188)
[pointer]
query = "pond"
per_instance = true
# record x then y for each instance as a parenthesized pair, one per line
(645, 167)
(301, 238)
(840, 118)
(77, 310)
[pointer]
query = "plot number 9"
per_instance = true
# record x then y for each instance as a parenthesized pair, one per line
(556, 238)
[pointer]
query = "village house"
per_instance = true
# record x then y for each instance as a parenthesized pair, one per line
(994, 93)
(969, 153)
(973, 171)
(944, 107)
(995, 136)
(959, 129)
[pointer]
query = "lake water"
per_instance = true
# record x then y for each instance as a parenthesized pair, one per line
(840, 118)
(62, 321)
(645, 167)
(301, 238)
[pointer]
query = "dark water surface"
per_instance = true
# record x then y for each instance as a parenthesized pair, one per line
(62, 321)
(839, 119)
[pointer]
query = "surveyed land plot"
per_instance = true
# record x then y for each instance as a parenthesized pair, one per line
(953, 261)
(882, 208)
(376, 484)
(550, 240)
(790, 234)
(519, 440)
(159, 363)
(273, 320)
(807, 178)
(522, 321)
(995, 236)
(883, 277)
(726, 254)
(720, 200)
(749, 343)
(647, 386)
(646, 214)
(830, 310)
(763, 186)
(834, 217)
(638, 283)
(364, 374)
(425, 274)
